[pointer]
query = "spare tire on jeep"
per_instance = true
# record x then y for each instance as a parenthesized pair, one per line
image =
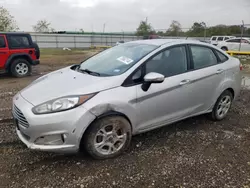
(37, 49)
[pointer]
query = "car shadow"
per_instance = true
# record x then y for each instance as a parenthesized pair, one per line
(5, 75)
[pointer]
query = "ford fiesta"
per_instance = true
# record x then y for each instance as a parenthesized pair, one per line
(125, 90)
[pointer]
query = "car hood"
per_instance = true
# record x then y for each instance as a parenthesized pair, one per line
(66, 82)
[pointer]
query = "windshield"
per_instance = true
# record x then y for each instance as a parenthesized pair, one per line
(117, 60)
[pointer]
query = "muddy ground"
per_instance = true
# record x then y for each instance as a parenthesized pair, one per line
(193, 153)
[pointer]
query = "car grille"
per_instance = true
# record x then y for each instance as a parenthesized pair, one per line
(20, 117)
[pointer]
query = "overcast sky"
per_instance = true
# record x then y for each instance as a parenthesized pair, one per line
(125, 14)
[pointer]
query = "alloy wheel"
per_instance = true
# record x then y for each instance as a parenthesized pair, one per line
(224, 106)
(22, 68)
(110, 139)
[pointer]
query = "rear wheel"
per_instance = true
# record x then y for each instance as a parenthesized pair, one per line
(20, 68)
(107, 137)
(222, 106)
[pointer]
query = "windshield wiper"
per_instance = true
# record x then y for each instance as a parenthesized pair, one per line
(89, 72)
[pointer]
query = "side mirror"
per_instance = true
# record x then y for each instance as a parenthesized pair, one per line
(152, 78)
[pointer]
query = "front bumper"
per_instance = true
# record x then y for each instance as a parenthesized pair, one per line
(68, 125)
(53, 148)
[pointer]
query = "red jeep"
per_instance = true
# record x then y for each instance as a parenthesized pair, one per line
(18, 53)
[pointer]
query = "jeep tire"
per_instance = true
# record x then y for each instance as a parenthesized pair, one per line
(20, 68)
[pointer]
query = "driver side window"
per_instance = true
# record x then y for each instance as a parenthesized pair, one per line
(170, 62)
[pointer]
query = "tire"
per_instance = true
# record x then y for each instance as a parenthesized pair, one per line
(220, 111)
(20, 68)
(37, 50)
(101, 141)
(224, 48)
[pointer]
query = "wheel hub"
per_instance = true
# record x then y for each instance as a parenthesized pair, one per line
(224, 106)
(21, 68)
(110, 139)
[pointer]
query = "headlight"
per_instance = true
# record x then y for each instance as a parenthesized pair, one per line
(61, 104)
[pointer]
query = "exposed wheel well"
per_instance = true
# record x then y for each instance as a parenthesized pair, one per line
(18, 57)
(224, 47)
(114, 113)
(231, 90)
(106, 114)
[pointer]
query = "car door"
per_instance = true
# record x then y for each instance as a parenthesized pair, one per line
(206, 78)
(245, 45)
(233, 44)
(168, 101)
(3, 51)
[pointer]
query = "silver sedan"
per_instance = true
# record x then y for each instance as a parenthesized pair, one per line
(123, 91)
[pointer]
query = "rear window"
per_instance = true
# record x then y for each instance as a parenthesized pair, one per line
(245, 41)
(203, 57)
(19, 41)
(2, 42)
(221, 56)
(234, 40)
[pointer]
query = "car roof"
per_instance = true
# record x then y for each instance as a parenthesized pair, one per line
(240, 38)
(156, 42)
(222, 36)
(160, 42)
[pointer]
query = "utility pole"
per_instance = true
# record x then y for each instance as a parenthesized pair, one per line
(205, 31)
(242, 33)
(104, 25)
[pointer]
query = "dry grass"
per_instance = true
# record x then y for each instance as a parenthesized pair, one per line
(64, 57)
(59, 51)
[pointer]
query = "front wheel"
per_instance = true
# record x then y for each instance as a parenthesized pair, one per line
(20, 68)
(107, 137)
(222, 106)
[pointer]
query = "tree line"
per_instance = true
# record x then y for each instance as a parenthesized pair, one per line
(198, 29)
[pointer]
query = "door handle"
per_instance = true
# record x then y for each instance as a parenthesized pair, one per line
(184, 82)
(219, 71)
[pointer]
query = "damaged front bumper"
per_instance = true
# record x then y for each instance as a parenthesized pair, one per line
(58, 132)
(53, 148)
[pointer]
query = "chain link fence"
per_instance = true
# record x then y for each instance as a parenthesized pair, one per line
(78, 41)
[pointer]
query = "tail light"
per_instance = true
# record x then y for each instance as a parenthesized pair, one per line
(241, 67)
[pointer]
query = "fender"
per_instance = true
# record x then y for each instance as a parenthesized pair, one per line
(222, 87)
(105, 109)
(13, 56)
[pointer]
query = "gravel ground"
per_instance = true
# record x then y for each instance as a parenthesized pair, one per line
(196, 152)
